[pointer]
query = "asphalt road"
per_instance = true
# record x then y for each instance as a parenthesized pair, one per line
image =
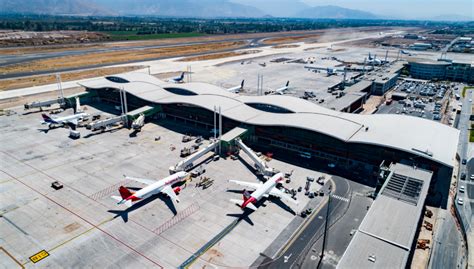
(298, 247)
(447, 248)
(340, 234)
(468, 169)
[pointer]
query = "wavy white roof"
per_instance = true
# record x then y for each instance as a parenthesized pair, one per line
(426, 138)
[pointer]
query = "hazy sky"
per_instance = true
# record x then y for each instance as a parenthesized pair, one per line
(405, 8)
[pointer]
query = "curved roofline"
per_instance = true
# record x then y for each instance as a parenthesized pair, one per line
(405, 133)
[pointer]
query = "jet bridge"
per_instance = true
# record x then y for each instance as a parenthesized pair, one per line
(259, 164)
(187, 163)
(47, 103)
(103, 124)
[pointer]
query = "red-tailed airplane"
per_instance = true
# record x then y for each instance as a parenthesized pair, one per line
(154, 187)
(261, 190)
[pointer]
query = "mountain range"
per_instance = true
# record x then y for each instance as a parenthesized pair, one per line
(182, 8)
(198, 9)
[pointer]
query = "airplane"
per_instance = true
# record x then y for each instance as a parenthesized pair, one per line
(154, 187)
(138, 123)
(261, 190)
(71, 120)
(407, 53)
(279, 91)
(178, 79)
(329, 70)
(374, 60)
(237, 89)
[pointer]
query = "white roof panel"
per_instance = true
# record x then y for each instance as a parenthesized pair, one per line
(422, 137)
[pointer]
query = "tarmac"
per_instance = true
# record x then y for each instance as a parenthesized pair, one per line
(81, 226)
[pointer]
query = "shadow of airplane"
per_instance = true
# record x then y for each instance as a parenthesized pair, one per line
(274, 200)
(101, 132)
(124, 213)
(133, 134)
(243, 216)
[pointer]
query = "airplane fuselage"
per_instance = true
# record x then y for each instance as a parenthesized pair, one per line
(157, 187)
(63, 120)
(264, 189)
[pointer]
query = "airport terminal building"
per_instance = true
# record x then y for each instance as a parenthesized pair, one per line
(290, 127)
(441, 70)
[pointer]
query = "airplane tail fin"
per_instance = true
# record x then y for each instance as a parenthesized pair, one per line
(124, 192)
(46, 117)
(128, 203)
(240, 203)
(245, 195)
(78, 106)
(287, 83)
(242, 84)
(182, 75)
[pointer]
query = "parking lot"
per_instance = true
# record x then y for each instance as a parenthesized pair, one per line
(80, 225)
(420, 99)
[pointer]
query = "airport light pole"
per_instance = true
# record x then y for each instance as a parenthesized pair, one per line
(325, 229)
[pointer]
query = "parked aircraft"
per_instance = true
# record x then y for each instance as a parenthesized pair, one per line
(138, 123)
(407, 53)
(154, 187)
(279, 91)
(71, 120)
(179, 79)
(261, 190)
(374, 60)
(237, 89)
(329, 70)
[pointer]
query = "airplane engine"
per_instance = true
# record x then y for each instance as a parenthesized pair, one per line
(177, 190)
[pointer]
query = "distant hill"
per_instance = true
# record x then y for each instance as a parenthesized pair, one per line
(334, 12)
(52, 7)
(277, 8)
(182, 8)
(168, 8)
(452, 17)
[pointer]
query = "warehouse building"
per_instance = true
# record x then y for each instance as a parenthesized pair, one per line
(386, 236)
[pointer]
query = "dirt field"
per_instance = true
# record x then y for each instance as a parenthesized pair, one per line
(9, 38)
(116, 57)
(273, 39)
(285, 46)
(10, 84)
(218, 55)
(291, 39)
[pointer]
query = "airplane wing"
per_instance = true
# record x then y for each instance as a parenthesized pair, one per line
(276, 192)
(169, 191)
(142, 180)
(72, 121)
(246, 184)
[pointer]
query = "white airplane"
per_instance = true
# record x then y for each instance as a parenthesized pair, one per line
(279, 91)
(407, 53)
(374, 60)
(261, 190)
(179, 79)
(69, 120)
(237, 89)
(138, 123)
(329, 70)
(154, 187)
(79, 115)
